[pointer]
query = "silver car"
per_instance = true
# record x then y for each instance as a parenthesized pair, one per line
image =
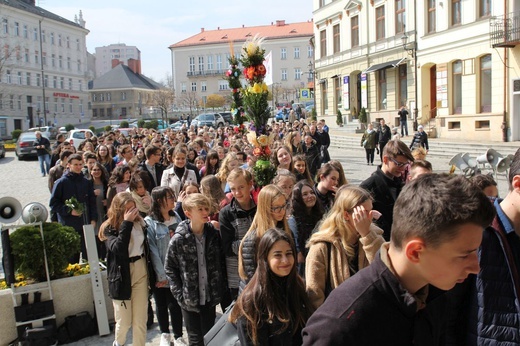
(25, 146)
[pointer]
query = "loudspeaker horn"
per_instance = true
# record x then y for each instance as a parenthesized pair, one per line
(491, 156)
(472, 163)
(34, 212)
(459, 162)
(10, 209)
(503, 164)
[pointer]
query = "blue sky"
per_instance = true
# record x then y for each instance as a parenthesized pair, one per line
(153, 25)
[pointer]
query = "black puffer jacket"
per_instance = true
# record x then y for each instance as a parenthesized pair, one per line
(181, 266)
(249, 255)
(118, 263)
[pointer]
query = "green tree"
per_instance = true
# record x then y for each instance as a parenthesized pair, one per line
(92, 128)
(140, 123)
(339, 118)
(69, 127)
(124, 124)
(16, 134)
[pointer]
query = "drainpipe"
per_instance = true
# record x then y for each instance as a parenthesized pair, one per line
(504, 121)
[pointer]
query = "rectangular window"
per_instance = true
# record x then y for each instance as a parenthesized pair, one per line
(77, 44)
(55, 82)
(201, 63)
(210, 62)
(70, 105)
(68, 63)
(223, 85)
(400, 19)
(53, 60)
(62, 82)
(192, 64)
(284, 74)
(68, 42)
(381, 90)
(324, 97)
(354, 31)
(19, 75)
(38, 80)
(63, 105)
(219, 62)
(5, 26)
(35, 34)
(457, 87)
(36, 57)
(456, 12)
(8, 76)
(380, 23)
(202, 86)
(52, 38)
(485, 83)
(43, 36)
(26, 55)
(79, 65)
(80, 84)
(123, 96)
(109, 97)
(310, 52)
(336, 39)
(60, 61)
(16, 29)
(183, 87)
(59, 40)
(323, 43)
(297, 73)
(283, 53)
(484, 8)
(81, 106)
(11, 101)
(70, 83)
(403, 84)
(193, 86)
(297, 52)
(46, 81)
(432, 16)
(19, 103)
(25, 31)
(44, 59)
(28, 78)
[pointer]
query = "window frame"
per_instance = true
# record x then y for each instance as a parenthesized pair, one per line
(380, 23)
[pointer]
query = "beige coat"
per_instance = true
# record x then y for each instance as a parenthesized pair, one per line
(317, 262)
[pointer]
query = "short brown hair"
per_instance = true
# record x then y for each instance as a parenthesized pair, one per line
(395, 148)
(433, 206)
(151, 150)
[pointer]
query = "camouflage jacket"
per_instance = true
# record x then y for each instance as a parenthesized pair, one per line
(182, 269)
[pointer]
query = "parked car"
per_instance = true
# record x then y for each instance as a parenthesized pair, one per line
(25, 146)
(208, 119)
(228, 117)
(64, 130)
(178, 125)
(76, 137)
(48, 132)
(2, 149)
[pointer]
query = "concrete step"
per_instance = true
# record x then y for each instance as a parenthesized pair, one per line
(438, 147)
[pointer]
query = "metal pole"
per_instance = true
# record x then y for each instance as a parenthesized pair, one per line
(43, 77)
(416, 109)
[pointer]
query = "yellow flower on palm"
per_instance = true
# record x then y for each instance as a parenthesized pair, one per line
(257, 88)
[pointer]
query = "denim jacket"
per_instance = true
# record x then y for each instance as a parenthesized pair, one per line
(158, 240)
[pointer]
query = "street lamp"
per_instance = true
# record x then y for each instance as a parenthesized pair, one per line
(411, 49)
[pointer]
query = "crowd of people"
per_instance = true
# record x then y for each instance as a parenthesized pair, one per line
(308, 259)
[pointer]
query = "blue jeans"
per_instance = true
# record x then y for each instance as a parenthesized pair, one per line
(47, 160)
(404, 125)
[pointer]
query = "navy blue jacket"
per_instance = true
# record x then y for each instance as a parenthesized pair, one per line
(69, 185)
(495, 307)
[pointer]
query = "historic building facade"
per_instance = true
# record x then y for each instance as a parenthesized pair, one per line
(43, 68)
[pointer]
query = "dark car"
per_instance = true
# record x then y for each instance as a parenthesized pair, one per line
(208, 119)
(25, 145)
(2, 149)
(227, 116)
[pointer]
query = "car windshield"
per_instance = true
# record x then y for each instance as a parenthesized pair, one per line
(27, 137)
(79, 135)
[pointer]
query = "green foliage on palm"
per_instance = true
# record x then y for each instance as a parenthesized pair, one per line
(61, 243)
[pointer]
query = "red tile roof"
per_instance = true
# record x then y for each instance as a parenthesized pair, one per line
(276, 30)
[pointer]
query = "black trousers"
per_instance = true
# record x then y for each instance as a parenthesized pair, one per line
(381, 147)
(370, 155)
(167, 309)
(199, 323)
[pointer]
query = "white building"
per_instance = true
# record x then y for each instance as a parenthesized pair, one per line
(42, 68)
(119, 51)
(199, 62)
(464, 85)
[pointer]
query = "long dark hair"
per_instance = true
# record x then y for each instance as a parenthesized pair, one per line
(306, 220)
(209, 169)
(266, 295)
(118, 175)
(159, 194)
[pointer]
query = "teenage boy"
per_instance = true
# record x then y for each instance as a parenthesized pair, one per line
(194, 267)
(235, 220)
(152, 166)
(418, 168)
(74, 184)
(397, 300)
(385, 183)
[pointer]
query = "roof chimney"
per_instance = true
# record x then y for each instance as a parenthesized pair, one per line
(135, 65)
(201, 29)
(116, 62)
(280, 22)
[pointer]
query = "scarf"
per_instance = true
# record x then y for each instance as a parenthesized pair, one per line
(143, 207)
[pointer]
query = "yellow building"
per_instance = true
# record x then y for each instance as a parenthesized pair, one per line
(444, 54)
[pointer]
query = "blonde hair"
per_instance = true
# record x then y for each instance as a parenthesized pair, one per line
(196, 200)
(263, 220)
(224, 171)
(116, 213)
(334, 223)
(240, 173)
(419, 153)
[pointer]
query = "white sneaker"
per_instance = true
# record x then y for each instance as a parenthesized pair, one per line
(165, 339)
(179, 342)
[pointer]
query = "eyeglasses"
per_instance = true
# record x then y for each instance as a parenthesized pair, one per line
(278, 209)
(397, 163)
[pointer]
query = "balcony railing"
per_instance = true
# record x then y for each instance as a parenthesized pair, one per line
(504, 31)
(205, 73)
